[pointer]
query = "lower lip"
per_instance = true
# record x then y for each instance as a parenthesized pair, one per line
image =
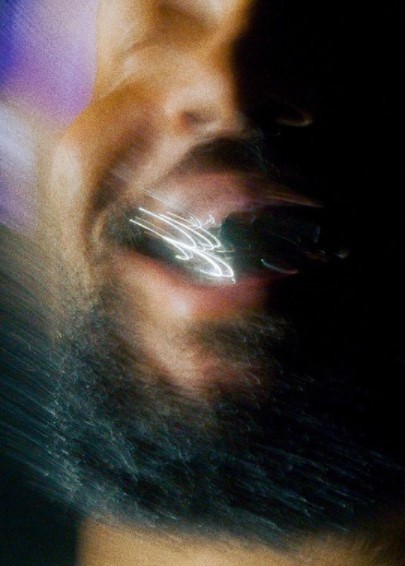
(168, 288)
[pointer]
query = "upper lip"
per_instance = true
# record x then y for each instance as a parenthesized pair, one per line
(209, 195)
(212, 196)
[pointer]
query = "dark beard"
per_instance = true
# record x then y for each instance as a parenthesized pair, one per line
(301, 456)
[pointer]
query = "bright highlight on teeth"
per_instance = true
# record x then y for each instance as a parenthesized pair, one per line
(190, 240)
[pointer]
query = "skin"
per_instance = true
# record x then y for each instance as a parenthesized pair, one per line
(166, 83)
(103, 545)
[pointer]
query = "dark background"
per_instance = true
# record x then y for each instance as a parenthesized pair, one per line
(33, 531)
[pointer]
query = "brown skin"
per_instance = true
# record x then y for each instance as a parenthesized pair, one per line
(162, 95)
(165, 84)
(101, 546)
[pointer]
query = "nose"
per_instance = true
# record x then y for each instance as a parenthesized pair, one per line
(203, 98)
(206, 99)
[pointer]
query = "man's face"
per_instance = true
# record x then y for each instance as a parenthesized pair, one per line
(205, 112)
(196, 117)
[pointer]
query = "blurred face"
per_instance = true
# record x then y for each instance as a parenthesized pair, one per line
(196, 124)
(203, 207)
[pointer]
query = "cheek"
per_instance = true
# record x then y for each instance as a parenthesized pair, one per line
(77, 191)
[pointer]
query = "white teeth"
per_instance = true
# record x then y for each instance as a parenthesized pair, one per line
(188, 241)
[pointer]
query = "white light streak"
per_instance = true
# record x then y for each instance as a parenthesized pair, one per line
(191, 241)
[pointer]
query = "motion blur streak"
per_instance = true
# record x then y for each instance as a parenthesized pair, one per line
(191, 240)
(49, 54)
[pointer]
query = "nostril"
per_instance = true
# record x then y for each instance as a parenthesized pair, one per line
(288, 114)
(193, 119)
(204, 104)
(206, 121)
(196, 122)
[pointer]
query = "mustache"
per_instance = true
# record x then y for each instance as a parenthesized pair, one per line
(243, 154)
(269, 159)
(251, 154)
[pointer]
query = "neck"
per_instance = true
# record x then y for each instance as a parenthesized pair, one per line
(102, 545)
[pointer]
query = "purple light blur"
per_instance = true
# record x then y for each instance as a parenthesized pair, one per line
(47, 69)
(53, 54)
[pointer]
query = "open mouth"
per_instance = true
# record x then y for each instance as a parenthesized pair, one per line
(210, 245)
(282, 239)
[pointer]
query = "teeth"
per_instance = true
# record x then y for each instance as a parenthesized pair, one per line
(280, 239)
(183, 241)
